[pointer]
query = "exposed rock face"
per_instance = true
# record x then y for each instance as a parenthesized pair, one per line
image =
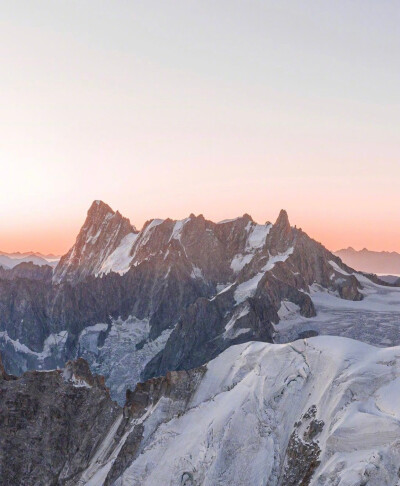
(303, 451)
(284, 269)
(4, 376)
(50, 426)
(174, 390)
(176, 385)
(101, 234)
(78, 372)
(179, 291)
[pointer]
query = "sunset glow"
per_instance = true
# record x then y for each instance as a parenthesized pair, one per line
(216, 108)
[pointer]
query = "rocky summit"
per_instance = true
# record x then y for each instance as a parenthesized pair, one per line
(172, 296)
(100, 236)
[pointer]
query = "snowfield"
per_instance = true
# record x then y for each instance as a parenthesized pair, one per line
(269, 414)
(374, 320)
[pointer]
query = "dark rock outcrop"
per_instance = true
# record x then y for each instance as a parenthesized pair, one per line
(4, 376)
(53, 423)
(50, 426)
(303, 451)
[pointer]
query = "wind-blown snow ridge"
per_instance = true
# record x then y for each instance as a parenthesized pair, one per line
(324, 410)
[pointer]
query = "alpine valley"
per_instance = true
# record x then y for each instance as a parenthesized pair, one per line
(197, 353)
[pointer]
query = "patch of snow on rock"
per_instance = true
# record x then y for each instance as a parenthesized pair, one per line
(229, 332)
(240, 261)
(120, 259)
(177, 229)
(247, 289)
(257, 236)
(273, 260)
(336, 267)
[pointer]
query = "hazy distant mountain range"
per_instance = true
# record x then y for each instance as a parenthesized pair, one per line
(11, 260)
(379, 262)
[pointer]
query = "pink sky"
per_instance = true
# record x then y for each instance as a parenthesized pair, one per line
(218, 108)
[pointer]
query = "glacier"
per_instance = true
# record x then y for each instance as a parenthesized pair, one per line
(325, 408)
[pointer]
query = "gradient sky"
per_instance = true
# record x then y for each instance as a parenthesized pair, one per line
(163, 108)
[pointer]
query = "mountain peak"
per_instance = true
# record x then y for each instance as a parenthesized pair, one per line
(247, 217)
(99, 207)
(283, 220)
(100, 235)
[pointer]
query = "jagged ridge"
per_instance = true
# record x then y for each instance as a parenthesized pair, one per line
(179, 291)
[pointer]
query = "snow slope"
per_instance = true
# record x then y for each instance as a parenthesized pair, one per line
(324, 410)
(373, 320)
(120, 259)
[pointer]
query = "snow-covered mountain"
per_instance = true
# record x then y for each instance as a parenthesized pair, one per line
(172, 296)
(213, 326)
(379, 262)
(319, 411)
(103, 233)
(177, 293)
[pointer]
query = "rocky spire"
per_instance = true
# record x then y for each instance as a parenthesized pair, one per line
(99, 207)
(283, 221)
(281, 237)
(99, 236)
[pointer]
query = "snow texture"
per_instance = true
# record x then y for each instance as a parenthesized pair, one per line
(374, 320)
(236, 428)
(120, 352)
(120, 259)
